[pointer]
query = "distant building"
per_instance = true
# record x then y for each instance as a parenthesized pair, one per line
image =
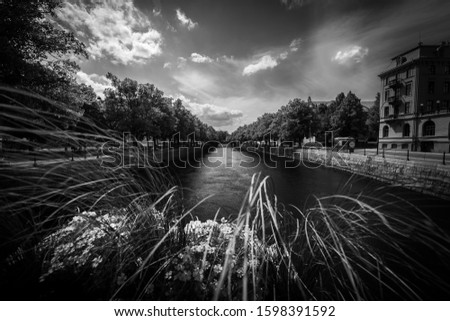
(415, 100)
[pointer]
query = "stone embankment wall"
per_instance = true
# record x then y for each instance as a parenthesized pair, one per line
(433, 179)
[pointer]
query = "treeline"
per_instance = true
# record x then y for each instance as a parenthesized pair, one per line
(344, 116)
(144, 111)
(40, 93)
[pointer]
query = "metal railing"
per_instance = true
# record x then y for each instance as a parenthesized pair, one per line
(407, 155)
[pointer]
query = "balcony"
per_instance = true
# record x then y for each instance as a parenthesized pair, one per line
(394, 100)
(392, 118)
(395, 83)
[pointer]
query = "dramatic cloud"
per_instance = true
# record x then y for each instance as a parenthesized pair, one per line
(185, 21)
(195, 57)
(265, 62)
(97, 82)
(115, 30)
(353, 54)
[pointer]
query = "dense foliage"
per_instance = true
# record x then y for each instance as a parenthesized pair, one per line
(144, 111)
(344, 116)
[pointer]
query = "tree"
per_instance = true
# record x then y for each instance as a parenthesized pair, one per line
(30, 42)
(33, 51)
(373, 119)
(222, 136)
(349, 117)
(264, 126)
(140, 109)
(298, 120)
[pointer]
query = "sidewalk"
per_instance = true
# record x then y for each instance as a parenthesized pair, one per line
(41, 162)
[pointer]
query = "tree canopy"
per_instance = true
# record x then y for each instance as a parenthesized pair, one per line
(32, 45)
(345, 116)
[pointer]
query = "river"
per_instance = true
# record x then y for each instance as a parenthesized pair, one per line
(225, 175)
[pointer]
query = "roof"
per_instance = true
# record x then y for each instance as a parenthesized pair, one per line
(406, 64)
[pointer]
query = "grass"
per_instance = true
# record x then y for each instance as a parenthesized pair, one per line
(79, 231)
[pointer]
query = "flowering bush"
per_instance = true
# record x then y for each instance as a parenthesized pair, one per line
(116, 250)
(215, 260)
(100, 245)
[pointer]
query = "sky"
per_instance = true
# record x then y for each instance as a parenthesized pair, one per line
(230, 61)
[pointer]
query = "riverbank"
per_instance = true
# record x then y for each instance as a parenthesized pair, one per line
(430, 179)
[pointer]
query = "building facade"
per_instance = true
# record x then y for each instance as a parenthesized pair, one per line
(415, 100)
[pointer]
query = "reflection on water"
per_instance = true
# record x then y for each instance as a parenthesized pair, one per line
(229, 182)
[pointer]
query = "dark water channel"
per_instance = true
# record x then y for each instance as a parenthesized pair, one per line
(226, 175)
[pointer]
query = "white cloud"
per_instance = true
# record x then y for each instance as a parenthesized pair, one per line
(97, 82)
(352, 54)
(211, 114)
(214, 115)
(195, 57)
(283, 55)
(115, 30)
(185, 21)
(295, 44)
(265, 62)
(167, 65)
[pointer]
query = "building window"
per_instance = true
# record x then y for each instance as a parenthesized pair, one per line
(384, 146)
(386, 111)
(410, 72)
(431, 87)
(386, 95)
(395, 110)
(405, 146)
(408, 89)
(406, 130)
(446, 87)
(432, 69)
(407, 107)
(429, 106)
(394, 146)
(385, 131)
(445, 105)
(428, 128)
(447, 69)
